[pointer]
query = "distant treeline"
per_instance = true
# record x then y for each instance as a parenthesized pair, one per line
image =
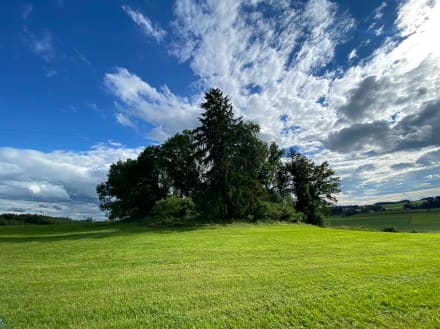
(426, 203)
(353, 210)
(21, 219)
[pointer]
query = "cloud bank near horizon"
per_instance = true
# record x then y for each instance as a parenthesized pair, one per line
(58, 183)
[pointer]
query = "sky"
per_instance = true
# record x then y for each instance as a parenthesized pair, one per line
(84, 84)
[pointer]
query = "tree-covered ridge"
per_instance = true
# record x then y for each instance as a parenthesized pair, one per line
(227, 171)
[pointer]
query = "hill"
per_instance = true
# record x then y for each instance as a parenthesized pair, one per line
(115, 275)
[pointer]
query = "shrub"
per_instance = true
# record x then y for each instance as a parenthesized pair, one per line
(276, 211)
(173, 210)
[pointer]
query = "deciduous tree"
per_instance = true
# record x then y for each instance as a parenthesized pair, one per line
(133, 186)
(313, 185)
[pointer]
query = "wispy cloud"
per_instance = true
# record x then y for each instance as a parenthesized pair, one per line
(50, 73)
(26, 11)
(40, 44)
(83, 58)
(124, 120)
(147, 27)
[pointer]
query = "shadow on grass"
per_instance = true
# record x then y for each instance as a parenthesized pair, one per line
(65, 232)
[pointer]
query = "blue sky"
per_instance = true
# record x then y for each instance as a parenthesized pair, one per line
(84, 84)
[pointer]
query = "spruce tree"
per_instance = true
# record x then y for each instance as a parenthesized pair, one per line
(213, 143)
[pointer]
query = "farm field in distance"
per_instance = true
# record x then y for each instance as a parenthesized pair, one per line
(403, 220)
(116, 275)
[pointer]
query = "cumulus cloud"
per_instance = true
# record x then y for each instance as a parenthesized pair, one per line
(63, 181)
(145, 24)
(280, 71)
(161, 108)
(369, 137)
(414, 131)
(270, 69)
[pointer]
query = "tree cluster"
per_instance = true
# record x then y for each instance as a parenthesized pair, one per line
(425, 203)
(224, 168)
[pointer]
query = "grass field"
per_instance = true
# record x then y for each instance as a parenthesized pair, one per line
(404, 221)
(236, 276)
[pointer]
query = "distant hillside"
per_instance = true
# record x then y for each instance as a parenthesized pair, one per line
(21, 219)
(425, 203)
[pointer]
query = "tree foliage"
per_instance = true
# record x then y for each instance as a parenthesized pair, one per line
(179, 163)
(231, 156)
(313, 185)
(225, 168)
(133, 186)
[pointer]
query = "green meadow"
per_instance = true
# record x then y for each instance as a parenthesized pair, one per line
(117, 275)
(401, 220)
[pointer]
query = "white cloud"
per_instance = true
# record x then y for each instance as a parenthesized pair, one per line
(283, 65)
(145, 24)
(352, 54)
(124, 120)
(281, 59)
(167, 112)
(378, 12)
(64, 182)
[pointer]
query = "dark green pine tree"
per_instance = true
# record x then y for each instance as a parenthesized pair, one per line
(232, 159)
(213, 142)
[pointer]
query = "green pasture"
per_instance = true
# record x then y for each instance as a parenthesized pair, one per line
(393, 206)
(236, 276)
(404, 221)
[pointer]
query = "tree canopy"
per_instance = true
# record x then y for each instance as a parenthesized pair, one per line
(225, 168)
(313, 185)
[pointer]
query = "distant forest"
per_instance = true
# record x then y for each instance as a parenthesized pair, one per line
(22, 219)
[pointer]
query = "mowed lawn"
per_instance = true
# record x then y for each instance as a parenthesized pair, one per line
(403, 220)
(234, 276)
